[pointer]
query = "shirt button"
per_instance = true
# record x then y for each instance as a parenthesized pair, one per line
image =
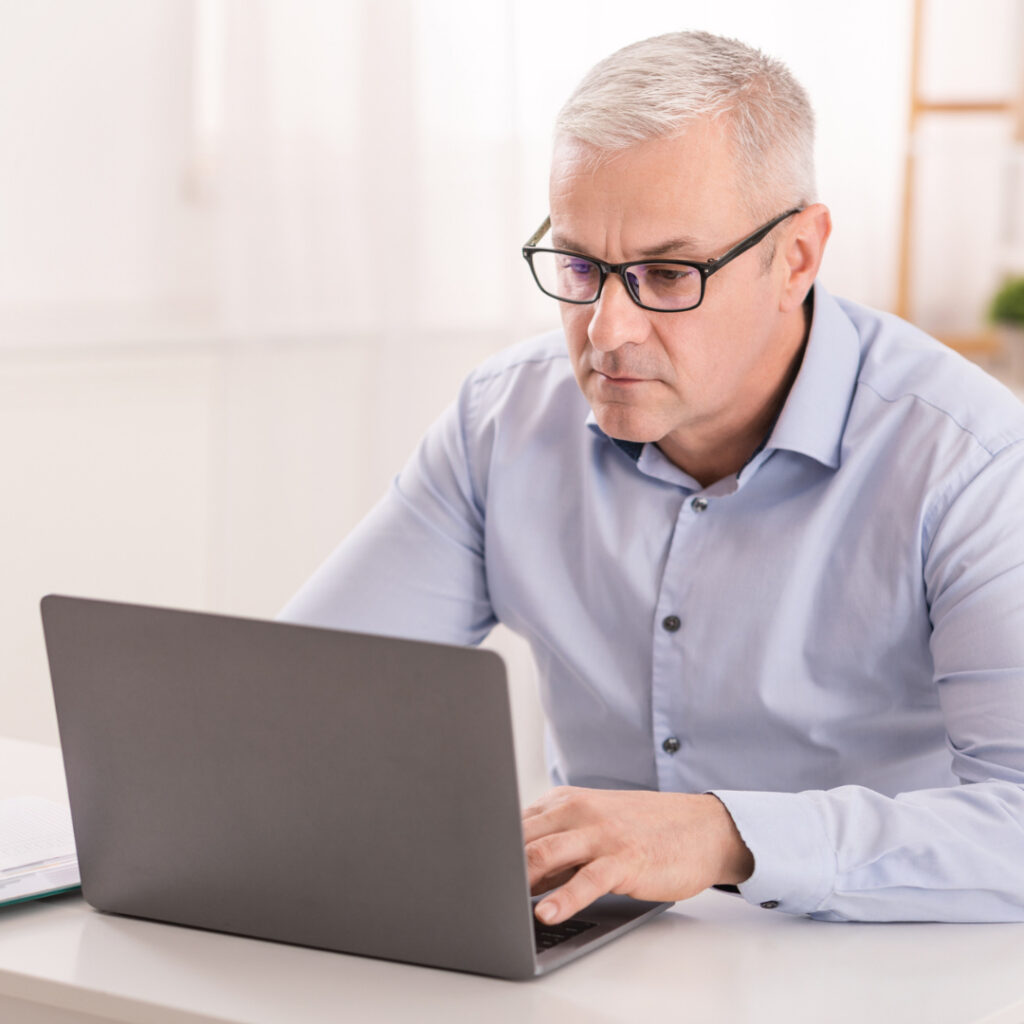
(699, 504)
(769, 904)
(671, 623)
(671, 745)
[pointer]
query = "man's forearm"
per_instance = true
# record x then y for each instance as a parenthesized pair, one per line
(952, 854)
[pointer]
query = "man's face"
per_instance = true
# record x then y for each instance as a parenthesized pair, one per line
(687, 380)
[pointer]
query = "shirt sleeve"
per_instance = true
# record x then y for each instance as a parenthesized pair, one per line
(951, 854)
(414, 567)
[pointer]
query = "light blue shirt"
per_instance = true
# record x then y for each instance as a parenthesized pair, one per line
(831, 641)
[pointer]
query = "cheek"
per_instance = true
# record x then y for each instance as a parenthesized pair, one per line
(690, 347)
(575, 323)
(724, 341)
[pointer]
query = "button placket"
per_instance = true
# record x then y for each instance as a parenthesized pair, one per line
(670, 645)
(671, 624)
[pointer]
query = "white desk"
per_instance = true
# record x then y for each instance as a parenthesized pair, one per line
(713, 960)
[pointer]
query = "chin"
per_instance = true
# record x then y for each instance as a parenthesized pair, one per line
(625, 424)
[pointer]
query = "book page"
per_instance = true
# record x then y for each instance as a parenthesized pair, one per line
(37, 849)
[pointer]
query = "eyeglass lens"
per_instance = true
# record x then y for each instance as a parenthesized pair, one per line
(572, 278)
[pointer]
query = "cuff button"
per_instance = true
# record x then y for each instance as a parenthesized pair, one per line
(769, 904)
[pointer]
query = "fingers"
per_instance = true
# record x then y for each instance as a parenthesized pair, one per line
(554, 848)
(542, 824)
(649, 845)
(544, 885)
(592, 881)
(565, 853)
(560, 798)
(549, 858)
(533, 810)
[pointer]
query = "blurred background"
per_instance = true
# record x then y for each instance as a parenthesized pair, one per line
(205, 380)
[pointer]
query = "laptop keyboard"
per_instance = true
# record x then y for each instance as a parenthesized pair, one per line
(548, 936)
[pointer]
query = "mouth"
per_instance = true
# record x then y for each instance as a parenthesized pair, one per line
(614, 378)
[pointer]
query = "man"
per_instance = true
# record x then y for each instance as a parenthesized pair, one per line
(766, 545)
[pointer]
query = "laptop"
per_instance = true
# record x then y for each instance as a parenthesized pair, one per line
(337, 790)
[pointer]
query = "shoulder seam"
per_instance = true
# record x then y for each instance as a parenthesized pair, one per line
(933, 521)
(1007, 441)
(480, 378)
(471, 411)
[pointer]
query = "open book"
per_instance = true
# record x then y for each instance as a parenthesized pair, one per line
(37, 849)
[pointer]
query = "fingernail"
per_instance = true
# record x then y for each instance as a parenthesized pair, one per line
(547, 911)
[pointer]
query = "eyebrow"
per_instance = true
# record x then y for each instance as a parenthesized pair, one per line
(684, 243)
(683, 246)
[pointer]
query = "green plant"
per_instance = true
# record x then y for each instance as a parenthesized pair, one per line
(1008, 303)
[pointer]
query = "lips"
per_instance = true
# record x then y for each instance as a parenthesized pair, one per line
(618, 378)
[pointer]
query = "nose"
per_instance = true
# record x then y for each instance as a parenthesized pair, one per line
(616, 319)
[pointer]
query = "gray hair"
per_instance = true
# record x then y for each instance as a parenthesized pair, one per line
(660, 86)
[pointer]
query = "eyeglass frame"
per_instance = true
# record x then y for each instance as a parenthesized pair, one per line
(705, 267)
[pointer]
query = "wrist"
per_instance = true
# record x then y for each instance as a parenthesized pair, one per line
(736, 862)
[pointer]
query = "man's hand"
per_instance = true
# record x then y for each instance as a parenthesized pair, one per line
(652, 846)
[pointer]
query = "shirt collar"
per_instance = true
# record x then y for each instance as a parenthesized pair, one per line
(813, 417)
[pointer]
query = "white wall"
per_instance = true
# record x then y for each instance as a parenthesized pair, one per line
(95, 119)
(200, 391)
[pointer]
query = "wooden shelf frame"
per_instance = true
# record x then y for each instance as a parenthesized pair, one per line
(919, 107)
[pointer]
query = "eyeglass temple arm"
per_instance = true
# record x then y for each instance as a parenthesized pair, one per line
(540, 232)
(749, 243)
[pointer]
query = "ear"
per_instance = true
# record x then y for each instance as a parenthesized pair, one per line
(801, 254)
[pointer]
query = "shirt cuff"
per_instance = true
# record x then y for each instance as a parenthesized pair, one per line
(794, 863)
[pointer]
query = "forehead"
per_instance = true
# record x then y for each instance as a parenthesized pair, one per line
(683, 186)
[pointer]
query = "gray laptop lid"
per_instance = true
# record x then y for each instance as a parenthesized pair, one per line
(338, 790)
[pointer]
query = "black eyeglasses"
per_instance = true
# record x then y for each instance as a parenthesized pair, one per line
(665, 286)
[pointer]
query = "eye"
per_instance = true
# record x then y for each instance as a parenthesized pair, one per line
(668, 285)
(668, 274)
(576, 265)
